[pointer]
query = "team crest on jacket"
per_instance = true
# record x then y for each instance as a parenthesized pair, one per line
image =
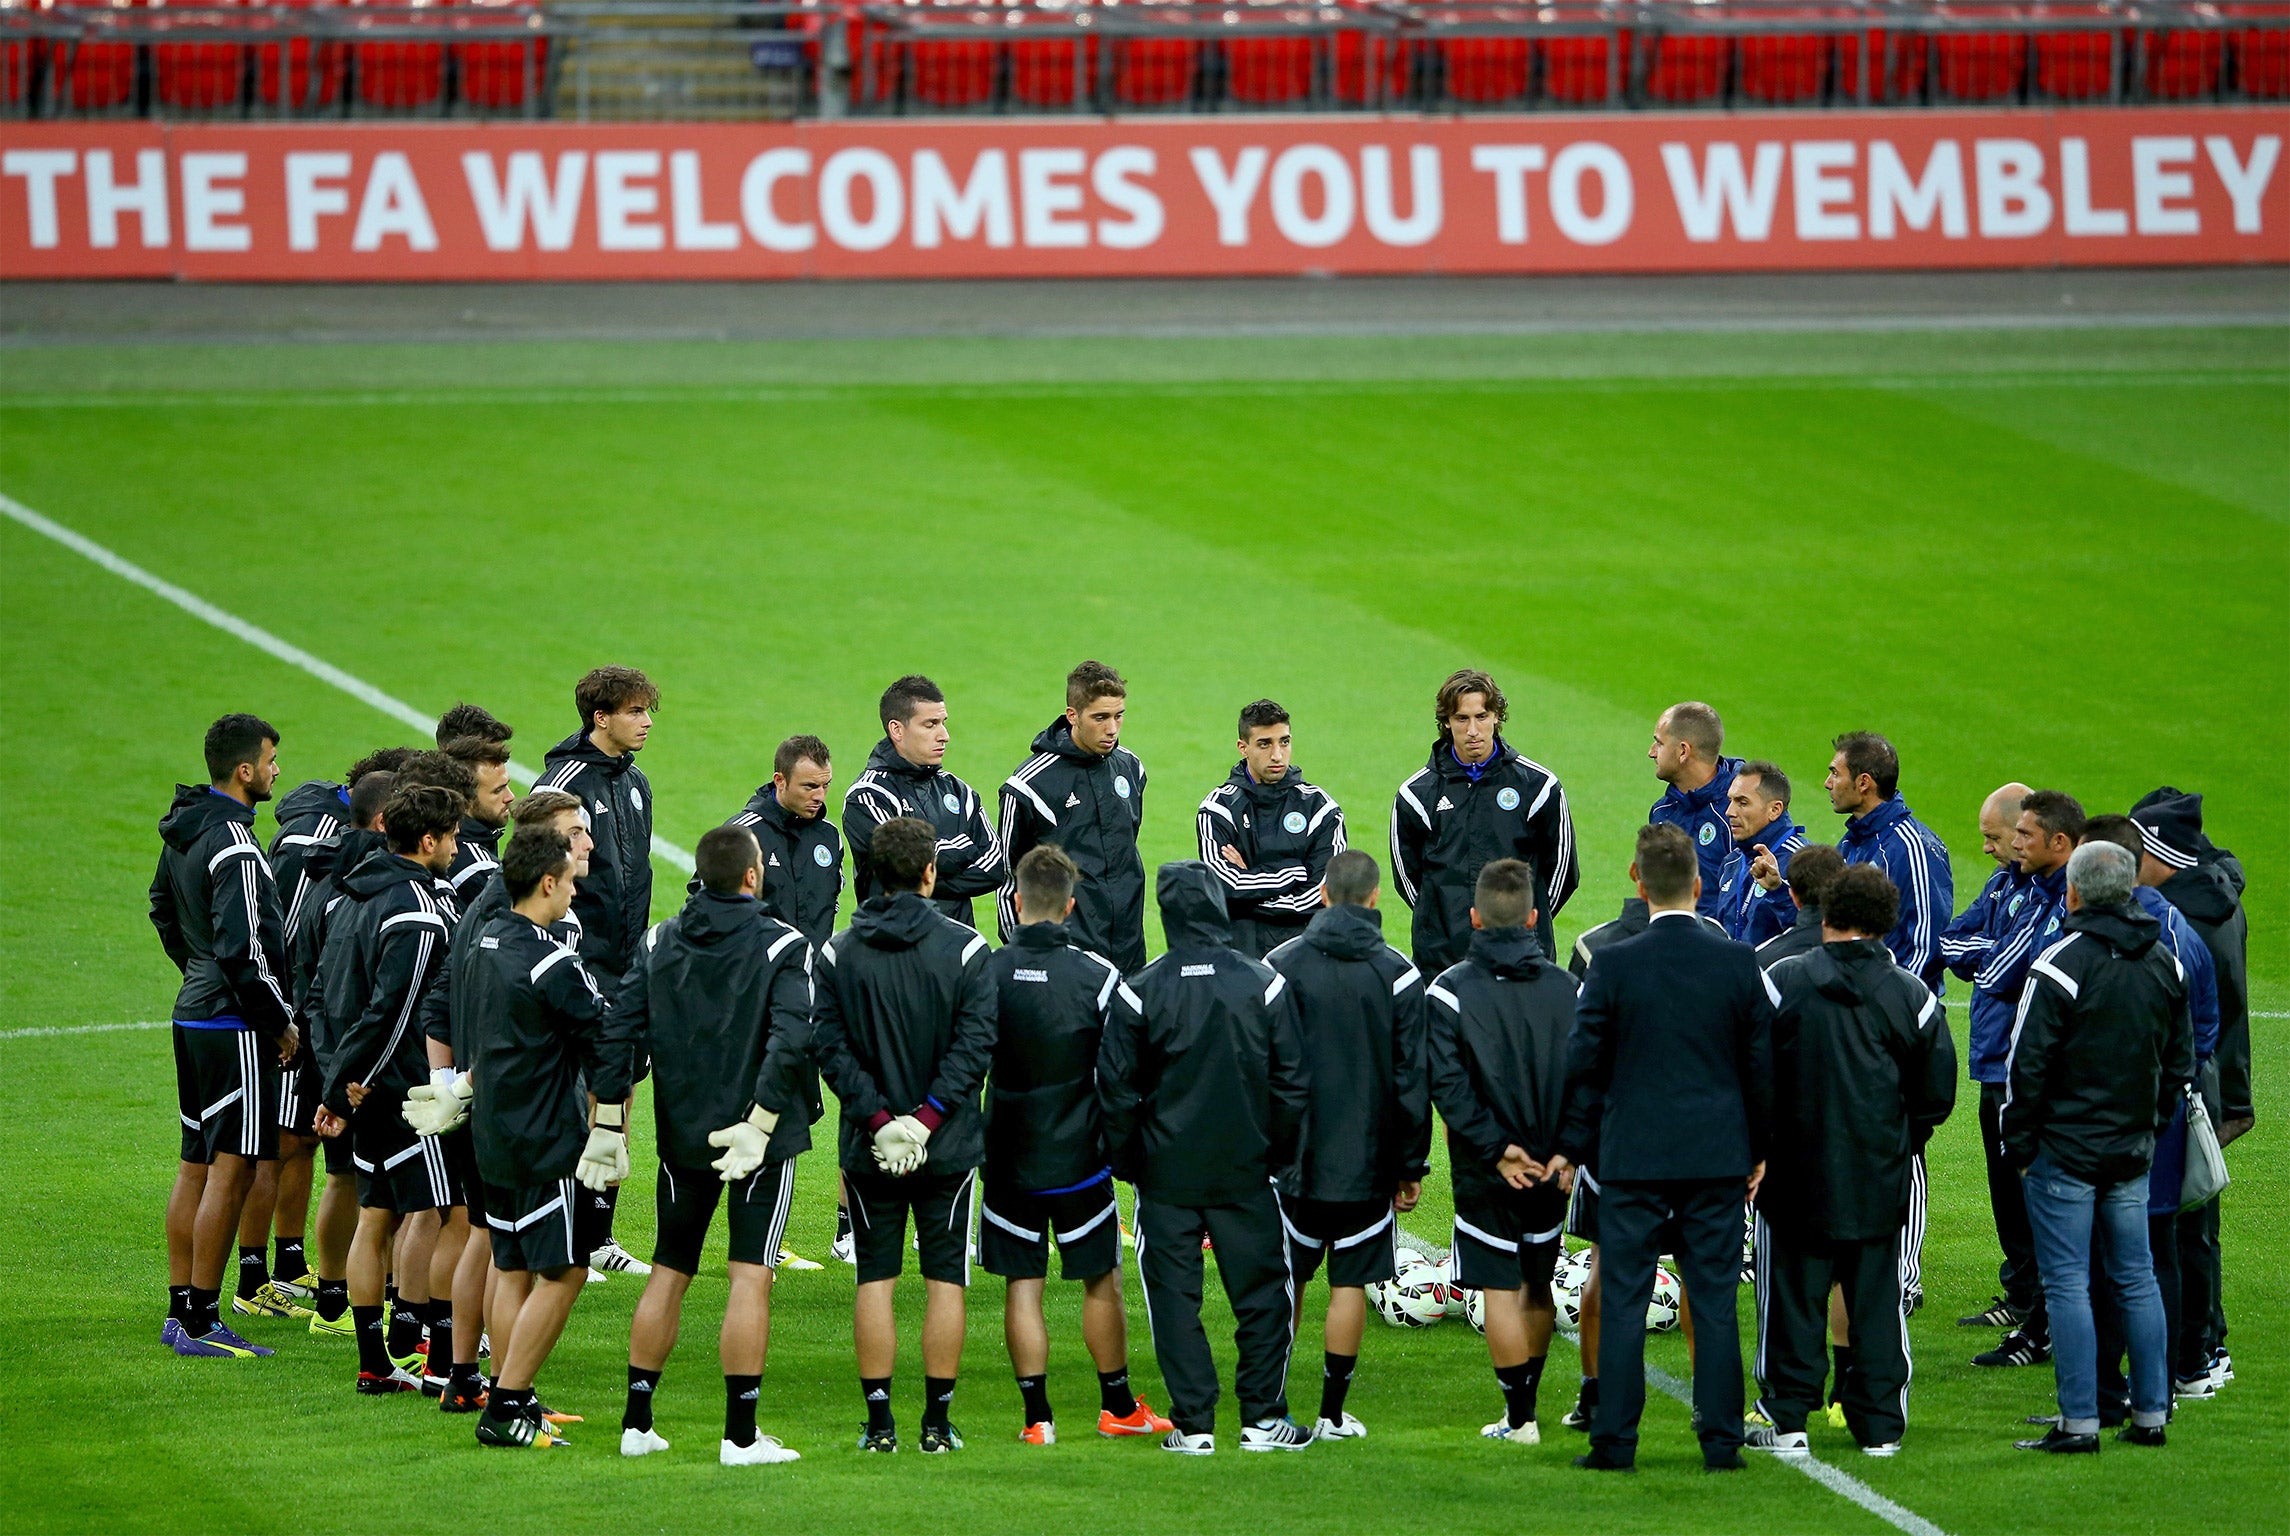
(953, 803)
(1507, 798)
(1121, 785)
(1292, 822)
(1708, 833)
(636, 797)
(820, 856)
(2014, 908)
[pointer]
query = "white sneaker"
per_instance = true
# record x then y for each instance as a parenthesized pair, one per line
(617, 1260)
(1190, 1445)
(1344, 1427)
(844, 1250)
(1889, 1448)
(1529, 1433)
(789, 1259)
(1283, 1434)
(1786, 1442)
(641, 1442)
(763, 1451)
(595, 1277)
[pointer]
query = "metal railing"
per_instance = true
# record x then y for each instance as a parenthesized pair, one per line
(619, 59)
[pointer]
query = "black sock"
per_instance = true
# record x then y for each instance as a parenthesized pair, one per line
(254, 1269)
(740, 1393)
(1587, 1402)
(877, 1390)
(1844, 1357)
(290, 1263)
(641, 1385)
(1520, 1383)
(1113, 1394)
(390, 1291)
(1335, 1381)
(405, 1329)
(373, 1350)
(1036, 1391)
(608, 1206)
(179, 1304)
(937, 1394)
(440, 1317)
(464, 1373)
(505, 1405)
(333, 1298)
(842, 1221)
(205, 1314)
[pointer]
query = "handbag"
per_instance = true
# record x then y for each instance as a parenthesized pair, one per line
(2206, 1171)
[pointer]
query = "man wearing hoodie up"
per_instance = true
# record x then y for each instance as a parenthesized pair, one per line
(903, 1030)
(1360, 1017)
(721, 998)
(1864, 1071)
(1204, 1097)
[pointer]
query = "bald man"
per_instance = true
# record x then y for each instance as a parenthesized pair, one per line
(1998, 919)
(1688, 757)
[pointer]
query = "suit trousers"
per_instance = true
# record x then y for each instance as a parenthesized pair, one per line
(1630, 1221)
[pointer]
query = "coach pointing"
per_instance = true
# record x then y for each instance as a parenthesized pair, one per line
(1671, 1055)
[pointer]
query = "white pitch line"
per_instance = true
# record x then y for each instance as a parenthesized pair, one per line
(78, 1029)
(1841, 1483)
(263, 640)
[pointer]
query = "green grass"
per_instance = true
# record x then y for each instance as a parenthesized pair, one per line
(2059, 557)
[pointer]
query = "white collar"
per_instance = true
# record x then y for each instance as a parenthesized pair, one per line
(1671, 912)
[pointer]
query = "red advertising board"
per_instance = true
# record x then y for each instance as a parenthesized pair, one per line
(1158, 197)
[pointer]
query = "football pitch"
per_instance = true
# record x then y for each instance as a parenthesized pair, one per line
(2059, 556)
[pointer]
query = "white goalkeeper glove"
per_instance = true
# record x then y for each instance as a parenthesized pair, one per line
(604, 1161)
(744, 1144)
(892, 1144)
(441, 1104)
(918, 1143)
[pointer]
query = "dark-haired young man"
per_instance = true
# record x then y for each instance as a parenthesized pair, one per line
(903, 1031)
(1204, 1094)
(398, 921)
(1367, 1138)
(1864, 787)
(1864, 1072)
(1688, 757)
(478, 848)
(471, 720)
(1268, 834)
(216, 909)
(547, 1047)
(1812, 869)
(1499, 1025)
(1046, 1167)
(1085, 792)
(906, 776)
(802, 850)
(614, 903)
(1753, 884)
(720, 998)
(1476, 801)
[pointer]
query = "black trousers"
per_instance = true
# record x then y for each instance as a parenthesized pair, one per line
(1630, 1222)
(2023, 1288)
(2202, 1319)
(1794, 1273)
(1252, 1260)
(2179, 1304)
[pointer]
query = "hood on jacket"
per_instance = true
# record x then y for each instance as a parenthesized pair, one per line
(2127, 929)
(893, 920)
(1846, 969)
(1042, 936)
(1192, 906)
(380, 869)
(1514, 954)
(2209, 892)
(709, 919)
(578, 748)
(196, 809)
(1347, 932)
(1058, 738)
(318, 797)
(1443, 761)
(885, 759)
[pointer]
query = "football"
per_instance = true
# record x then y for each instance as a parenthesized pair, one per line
(1668, 1297)
(1416, 1298)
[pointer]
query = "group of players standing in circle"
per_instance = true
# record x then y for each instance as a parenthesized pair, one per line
(460, 1022)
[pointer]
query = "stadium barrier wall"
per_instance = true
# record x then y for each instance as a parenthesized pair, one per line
(1160, 197)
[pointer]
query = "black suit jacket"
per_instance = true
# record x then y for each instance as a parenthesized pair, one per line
(1670, 1072)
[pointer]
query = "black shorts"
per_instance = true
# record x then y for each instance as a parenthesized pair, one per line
(336, 1150)
(299, 1091)
(1014, 1229)
(1507, 1238)
(460, 1146)
(543, 1227)
(1582, 1207)
(397, 1170)
(758, 1206)
(940, 1202)
(1358, 1238)
(226, 1094)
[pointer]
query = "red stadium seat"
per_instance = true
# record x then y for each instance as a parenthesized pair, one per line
(298, 75)
(405, 76)
(496, 76)
(1154, 72)
(1982, 66)
(15, 70)
(1899, 65)
(2075, 66)
(1489, 71)
(1055, 74)
(951, 74)
(1269, 71)
(1686, 71)
(202, 76)
(1575, 69)
(2262, 61)
(1372, 68)
(91, 77)
(1781, 71)
(2180, 65)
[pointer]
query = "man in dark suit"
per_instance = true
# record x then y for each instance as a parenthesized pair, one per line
(1672, 1057)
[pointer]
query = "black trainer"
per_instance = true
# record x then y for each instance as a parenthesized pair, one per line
(884, 1441)
(2019, 1347)
(2058, 1442)
(938, 1439)
(2000, 1314)
(1585, 1407)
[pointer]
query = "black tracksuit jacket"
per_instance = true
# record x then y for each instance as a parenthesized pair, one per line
(445, 1015)
(1801, 937)
(216, 909)
(1206, 1090)
(311, 814)
(2209, 897)
(802, 865)
(1446, 826)
(1044, 1130)
(1499, 1026)
(970, 862)
(2101, 1048)
(903, 1024)
(614, 899)
(1091, 806)
(1360, 1018)
(1287, 832)
(394, 926)
(1864, 1070)
(321, 902)
(720, 996)
(476, 854)
(545, 1040)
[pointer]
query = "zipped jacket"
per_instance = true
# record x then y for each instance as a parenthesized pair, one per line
(1700, 814)
(1360, 1016)
(970, 862)
(1091, 805)
(545, 1040)
(1451, 820)
(216, 909)
(1500, 1025)
(397, 922)
(614, 899)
